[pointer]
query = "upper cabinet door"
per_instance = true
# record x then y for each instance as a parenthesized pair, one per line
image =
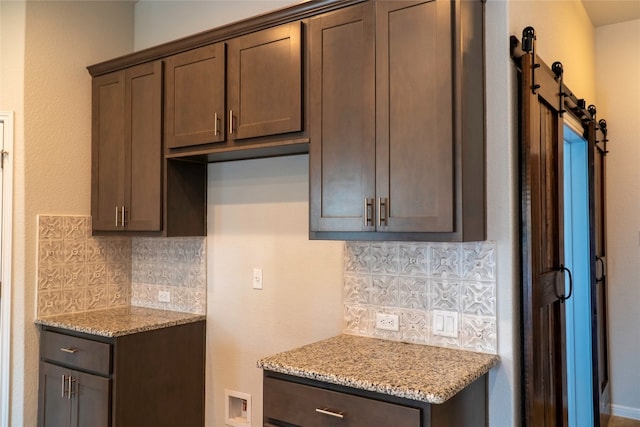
(195, 97)
(414, 117)
(143, 145)
(126, 193)
(342, 111)
(107, 152)
(265, 82)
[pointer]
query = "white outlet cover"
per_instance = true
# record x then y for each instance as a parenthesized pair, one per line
(387, 322)
(164, 296)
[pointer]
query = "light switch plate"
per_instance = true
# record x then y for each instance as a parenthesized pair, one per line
(257, 278)
(445, 323)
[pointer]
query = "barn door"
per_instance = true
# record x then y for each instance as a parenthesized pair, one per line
(599, 283)
(542, 251)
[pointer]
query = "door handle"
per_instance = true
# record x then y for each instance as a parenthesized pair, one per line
(601, 261)
(564, 297)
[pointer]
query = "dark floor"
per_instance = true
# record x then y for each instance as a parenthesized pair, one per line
(623, 422)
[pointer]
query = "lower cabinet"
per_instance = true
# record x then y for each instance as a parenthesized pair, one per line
(152, 378)
(73, 398)
(296, 402)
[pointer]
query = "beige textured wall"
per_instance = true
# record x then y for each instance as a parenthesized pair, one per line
(618, 89)
(45, 81)
(564, 33)
(258, 217)
(23, 374)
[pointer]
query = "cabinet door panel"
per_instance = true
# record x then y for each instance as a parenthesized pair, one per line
(342, 152)
(54, 409)
(108, 134)
(265, 82)
(311, 406)
(195, 96)
(415, 170)
(143, 189)
(90, 405)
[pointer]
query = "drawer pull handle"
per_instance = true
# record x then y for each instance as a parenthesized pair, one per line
(326, 411)
(69, 350)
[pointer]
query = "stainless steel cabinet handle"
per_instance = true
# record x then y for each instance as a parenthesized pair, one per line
(117, 215)
(368, 211)
(230, 122)
(123, 217)
(383, 211)
(326, 411)
(215, 124)
(69, 350)
(64, 383)
(71, 380)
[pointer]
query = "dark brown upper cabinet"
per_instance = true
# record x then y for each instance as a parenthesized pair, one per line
(397, 122)
(126, 150)
(195, 97)
(237, 95)
(265, 82)
(134, 190)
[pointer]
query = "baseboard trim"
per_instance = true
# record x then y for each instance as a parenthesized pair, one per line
(625, 411)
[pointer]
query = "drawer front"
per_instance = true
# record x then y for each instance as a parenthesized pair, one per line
(315, 407)
(77, 353)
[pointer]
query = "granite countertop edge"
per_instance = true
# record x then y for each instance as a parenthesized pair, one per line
(430, 394)
(120, 321)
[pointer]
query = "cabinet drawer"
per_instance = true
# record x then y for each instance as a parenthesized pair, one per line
(311, 406)
(77, 353)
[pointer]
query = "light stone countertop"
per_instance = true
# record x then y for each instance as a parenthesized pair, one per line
(412, 371)
(115, 322)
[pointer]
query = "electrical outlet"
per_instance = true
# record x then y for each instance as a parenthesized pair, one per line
(388, 322)
(164, 296)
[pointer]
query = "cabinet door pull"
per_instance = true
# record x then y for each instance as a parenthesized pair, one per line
(64, 384)
(327, 411)
(382, 211)
(368, 211)
(71, 380)
(215, 124)
(230, 122)
(123, 219)
(69, 350)
(117, 215)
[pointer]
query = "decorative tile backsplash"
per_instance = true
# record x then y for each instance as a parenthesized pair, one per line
(77, 272)
(174, 265)
(412, 279)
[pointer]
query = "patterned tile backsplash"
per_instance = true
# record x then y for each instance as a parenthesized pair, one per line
(176, 265)
(413, 279)
(78, 272)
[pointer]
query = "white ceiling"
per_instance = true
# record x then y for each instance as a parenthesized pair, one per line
(606, 12)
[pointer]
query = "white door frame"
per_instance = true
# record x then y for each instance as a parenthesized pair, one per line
(5, 262)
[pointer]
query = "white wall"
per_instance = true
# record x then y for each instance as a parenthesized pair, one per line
(618, 89)
(45, 49)
(160, 21)
(564, 33)
(258, 217)
(501, 152)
